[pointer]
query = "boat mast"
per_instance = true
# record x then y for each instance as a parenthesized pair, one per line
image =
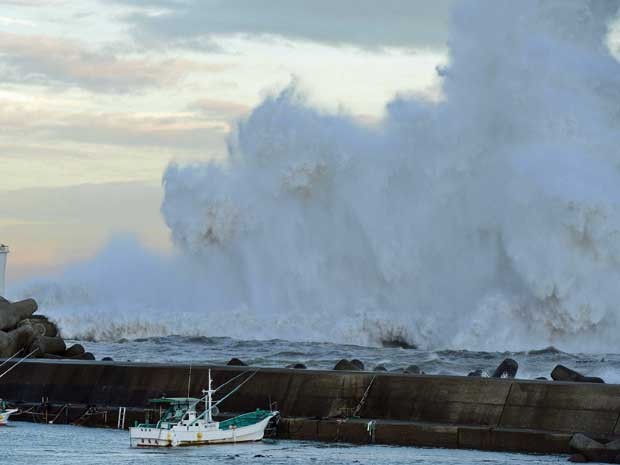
(208, 399)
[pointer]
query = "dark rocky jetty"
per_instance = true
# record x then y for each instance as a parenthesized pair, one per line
(23, 332)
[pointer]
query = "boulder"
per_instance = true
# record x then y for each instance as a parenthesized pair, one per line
(546, 350)
(41, 325)
(51, 328)
(12, 313)
(235, 362)
(349, 365)
(84, 356)
(380, 367)
(397, 342)
(562, 373)
(595, 451)
(297, 366)
(476, 373)
(74, 351)
(507, 369)
(48, 345)
(11, 342)
(358, 364)
(413, 370)
(107, 359)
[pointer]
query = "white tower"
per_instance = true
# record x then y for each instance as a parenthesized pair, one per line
(4, 251)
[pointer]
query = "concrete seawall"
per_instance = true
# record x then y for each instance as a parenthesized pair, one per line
(359, 407)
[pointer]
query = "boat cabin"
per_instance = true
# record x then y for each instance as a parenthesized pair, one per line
(179, 410)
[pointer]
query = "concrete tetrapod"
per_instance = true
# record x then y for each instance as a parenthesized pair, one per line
(11, 342)
(12, 313)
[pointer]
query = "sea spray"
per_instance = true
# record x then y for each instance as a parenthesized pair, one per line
(487, 220)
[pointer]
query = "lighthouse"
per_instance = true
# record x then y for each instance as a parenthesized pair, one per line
(4, 252)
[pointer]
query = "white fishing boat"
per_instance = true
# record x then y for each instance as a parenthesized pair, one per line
(5, 413)
(183, 425)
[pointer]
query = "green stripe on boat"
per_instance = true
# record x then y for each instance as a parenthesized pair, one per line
(245, 420)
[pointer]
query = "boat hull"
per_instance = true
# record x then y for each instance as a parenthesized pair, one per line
(4, 416)
(176, 436)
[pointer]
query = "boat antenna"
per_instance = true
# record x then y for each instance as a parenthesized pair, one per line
(189, 379)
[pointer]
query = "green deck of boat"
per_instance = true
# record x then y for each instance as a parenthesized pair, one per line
(246, 419)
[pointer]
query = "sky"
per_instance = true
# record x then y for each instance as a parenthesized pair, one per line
(97, 97)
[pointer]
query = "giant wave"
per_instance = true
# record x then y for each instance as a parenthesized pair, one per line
(487, 220)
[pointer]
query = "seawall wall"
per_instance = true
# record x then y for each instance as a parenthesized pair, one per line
(425, 410)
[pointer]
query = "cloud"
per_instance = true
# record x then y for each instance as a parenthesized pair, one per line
(363, 23)
(47, 60)
(11, 21)
(220, 109)
(182, 130)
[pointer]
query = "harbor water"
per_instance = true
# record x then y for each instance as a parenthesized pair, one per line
(28, 443)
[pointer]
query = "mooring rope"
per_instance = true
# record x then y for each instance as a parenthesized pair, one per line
(18, 362)
(11, 357)
(361, 402)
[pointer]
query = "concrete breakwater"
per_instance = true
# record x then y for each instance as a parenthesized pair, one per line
(358, 407)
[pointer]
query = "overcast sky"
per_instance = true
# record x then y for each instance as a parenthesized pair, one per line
(96, 97)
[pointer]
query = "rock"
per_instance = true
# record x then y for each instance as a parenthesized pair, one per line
(297, 366)
(380, 367)
(347, 365)
(413, 370)
(546, 350)
(12, 313)
(595, 451)
(13, 341)
(74, 350)
(51, 328)
(577, 458)
(41, 325)
(50, 356)
(48, 345)
(235, 362)
(397, 341)
(358, 363)
(507, 369)
(542, 378)
(476, 373)
(84, 356)
(107, 359)
(562, 373)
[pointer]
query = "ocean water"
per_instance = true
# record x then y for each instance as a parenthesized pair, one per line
(280, 353)
(28, 443)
